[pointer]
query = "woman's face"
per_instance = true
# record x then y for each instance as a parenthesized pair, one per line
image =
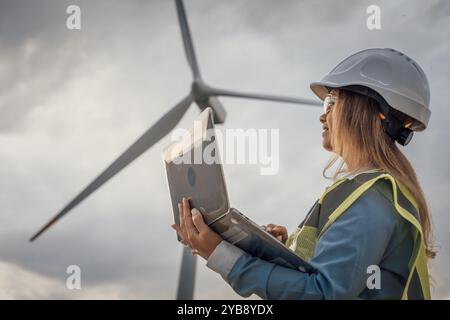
(326, 119)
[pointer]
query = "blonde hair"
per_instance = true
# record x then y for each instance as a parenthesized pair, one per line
(357, 136)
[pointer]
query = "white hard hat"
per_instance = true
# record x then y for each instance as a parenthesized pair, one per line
(393, 75)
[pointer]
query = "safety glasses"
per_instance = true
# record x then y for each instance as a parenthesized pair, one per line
(328, 102)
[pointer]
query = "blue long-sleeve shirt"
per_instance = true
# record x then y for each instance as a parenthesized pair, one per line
(369, 233)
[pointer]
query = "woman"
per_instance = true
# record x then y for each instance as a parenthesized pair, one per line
(368, 235)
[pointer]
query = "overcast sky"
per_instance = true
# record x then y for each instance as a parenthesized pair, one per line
(72, 100)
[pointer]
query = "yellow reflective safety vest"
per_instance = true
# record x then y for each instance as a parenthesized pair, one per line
(340, 196)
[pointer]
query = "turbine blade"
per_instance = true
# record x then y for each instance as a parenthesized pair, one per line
(148, 139)
(228, 93)
(187, 39)
(186, 281)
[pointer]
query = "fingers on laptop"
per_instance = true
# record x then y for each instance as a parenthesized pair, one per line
(189, 224)
(189, 230)
(198, 221)
(186, 228)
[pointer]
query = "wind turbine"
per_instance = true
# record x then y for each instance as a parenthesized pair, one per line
(204, 96)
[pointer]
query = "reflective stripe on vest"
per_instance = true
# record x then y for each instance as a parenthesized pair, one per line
(338, 198)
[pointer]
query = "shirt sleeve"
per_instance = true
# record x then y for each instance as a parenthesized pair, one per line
(357, 240)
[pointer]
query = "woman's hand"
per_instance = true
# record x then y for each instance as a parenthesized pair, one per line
(194, 231)
(278, 232)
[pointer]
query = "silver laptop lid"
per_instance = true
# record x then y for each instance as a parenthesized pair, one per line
(194, 169)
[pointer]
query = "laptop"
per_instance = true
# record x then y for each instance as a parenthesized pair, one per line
(193, 168)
